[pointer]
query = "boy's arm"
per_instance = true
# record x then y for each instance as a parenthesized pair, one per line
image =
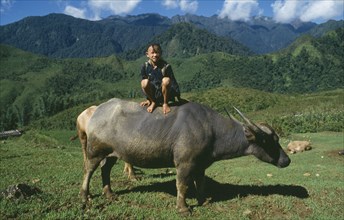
(167, 71)
(143, 71)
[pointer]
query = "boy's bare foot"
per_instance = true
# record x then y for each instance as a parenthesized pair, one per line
(145, 103)
(151, 107)
(165, 108)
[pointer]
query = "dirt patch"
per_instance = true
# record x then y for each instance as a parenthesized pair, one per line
(336, 154)
(303, 211)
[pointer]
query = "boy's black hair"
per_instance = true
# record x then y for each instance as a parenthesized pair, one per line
(156, 47)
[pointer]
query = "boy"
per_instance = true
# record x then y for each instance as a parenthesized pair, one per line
(158, 82)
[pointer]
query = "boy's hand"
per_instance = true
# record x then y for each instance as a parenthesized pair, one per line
(145, 103)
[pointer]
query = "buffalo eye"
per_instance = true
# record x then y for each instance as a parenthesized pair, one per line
(276, 138)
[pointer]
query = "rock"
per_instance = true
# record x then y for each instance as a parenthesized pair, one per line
(20, 190)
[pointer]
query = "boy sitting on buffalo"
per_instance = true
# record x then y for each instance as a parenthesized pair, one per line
(158, 81)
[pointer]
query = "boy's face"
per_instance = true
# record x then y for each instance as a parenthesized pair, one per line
(153, 54)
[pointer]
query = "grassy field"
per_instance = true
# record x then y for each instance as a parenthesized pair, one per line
(244, 188)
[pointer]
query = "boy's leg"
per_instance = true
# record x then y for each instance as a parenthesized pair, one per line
(165, 86)
(147, 89)
(144, 87)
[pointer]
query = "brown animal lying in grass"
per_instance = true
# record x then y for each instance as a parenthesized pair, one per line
(298, 146)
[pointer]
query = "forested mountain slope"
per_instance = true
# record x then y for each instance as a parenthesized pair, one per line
(185, 40)
(34, 86)
(63, 36)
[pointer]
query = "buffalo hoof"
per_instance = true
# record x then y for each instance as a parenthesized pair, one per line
(185, 211)
(133, 178)
(204, 202)
(85, 197)
(109, 195)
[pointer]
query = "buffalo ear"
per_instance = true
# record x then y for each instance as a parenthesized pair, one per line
(249, 133)
(266, 128)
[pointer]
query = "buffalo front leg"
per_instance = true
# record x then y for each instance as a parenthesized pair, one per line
(182, 180)
(90, 165)
(106, 166)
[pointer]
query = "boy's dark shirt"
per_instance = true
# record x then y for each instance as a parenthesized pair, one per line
(155, 78)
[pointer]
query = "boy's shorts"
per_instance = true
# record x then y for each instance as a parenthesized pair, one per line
(158, 97)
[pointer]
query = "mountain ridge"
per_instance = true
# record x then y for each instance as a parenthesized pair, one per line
(60, 35)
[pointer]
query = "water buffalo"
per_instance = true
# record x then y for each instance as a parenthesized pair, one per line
(190, 138)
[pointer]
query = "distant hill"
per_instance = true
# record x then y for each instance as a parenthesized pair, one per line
(321, 29)
(329, 44)
(260, 34)
(59, 35)
(185, 40)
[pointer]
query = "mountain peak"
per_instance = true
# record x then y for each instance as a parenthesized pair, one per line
(148, 19)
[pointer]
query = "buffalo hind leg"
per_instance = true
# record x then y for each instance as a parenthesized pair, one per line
(199, 181)
(106, 166)
(90, 165)
(129, 170)
(183, 179)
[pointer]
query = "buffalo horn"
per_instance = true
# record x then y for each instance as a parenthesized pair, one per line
(248, 122)
(229, 115)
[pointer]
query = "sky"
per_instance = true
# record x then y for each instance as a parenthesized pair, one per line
(282, 11)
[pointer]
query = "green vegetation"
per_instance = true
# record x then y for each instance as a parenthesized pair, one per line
(286, 113)
(59, 35)
(36, 88)
(244, 188)
(185, 40)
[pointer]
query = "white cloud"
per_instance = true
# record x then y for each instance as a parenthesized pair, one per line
(93, 9)
(285, 11)
(6, 5)
(288, 10)
(323, 10)
(189, 6)
(239, 10)
(118, 7)
(170, 4)
(75, 12)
